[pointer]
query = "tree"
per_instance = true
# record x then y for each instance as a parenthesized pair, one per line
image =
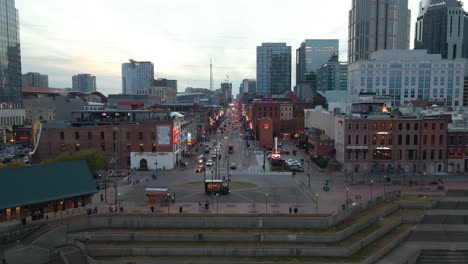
(321, 162)
(95, 158)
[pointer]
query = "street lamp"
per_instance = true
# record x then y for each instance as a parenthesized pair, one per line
(87, 238)
(266, 203)
(371, 183)
(316, 203)
(347, 197)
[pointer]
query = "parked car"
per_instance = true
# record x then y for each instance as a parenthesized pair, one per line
(207, 149)
(296, 168)
(200, 168)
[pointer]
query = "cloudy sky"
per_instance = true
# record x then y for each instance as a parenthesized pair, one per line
(61, 38)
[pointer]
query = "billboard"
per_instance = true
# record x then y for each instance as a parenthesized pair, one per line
(164, 135)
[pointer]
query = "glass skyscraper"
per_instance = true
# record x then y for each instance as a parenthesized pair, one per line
(10, 57)
(312, 54)
(137, 75)
(273, 68)
(442, 28)
(376, 25)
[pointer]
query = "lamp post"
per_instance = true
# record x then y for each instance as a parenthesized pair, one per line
(316, 203)
(87, 238)
(217, 198)
(264, 157)
(266, 203)
(384, 183)
(347, 197)
(371, 183)
(116, 193)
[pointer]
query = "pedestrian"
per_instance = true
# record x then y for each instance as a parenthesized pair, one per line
(121, 209)
(102, 197)
(152, 209)
(95, 210)
(290, 210)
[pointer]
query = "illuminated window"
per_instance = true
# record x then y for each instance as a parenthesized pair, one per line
(374, 126)
(382, 140)
(390, 126)
(153, 148)
(141, 147)
(77, 147)
(374, 140)
(382, 126)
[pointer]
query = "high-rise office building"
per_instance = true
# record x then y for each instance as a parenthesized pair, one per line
(408, 75)
(442, 28)
(84, 82)
(35, 79)
(312, 54)
(273, 68)
(137, 76)
(249, 85)
(376, 25)
(10, 56)
(333, 75)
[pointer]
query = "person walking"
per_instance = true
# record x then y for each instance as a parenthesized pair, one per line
(152, 209)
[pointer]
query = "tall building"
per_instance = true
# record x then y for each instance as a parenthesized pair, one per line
(332, 75)
(408, 75)
(442, 28)
(273, 68)
(162, 82)
(35, 79)
(375, 25)
(226, 88)
(11, 103)
(84, 82)
(137, 75)
(249, 85)
(312, 54)
(10, 55)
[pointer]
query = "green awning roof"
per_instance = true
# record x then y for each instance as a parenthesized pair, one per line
(43, 183)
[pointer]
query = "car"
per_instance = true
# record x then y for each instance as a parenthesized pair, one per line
(207, 149)
(200, 168)
(209, 163)
(233, 166)
(296, 168)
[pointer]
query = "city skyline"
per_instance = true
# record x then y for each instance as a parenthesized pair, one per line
(98, 40)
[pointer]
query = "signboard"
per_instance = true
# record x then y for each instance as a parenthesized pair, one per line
(189, 138)
(175, 136)
(266, 126)
(164, 135)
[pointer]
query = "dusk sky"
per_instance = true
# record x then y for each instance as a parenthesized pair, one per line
(63, 38)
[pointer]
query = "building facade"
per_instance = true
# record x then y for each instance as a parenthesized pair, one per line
(84, 82)
(442, 28)
(312, 54)
(332, 75)
(408, 75)
(137, 76)
(273, 68)
(249, 86)
(35, 79)
(375, 25)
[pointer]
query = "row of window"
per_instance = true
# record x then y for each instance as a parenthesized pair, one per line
(389, 126)
(388, 140)
(77, 147)
(102, 135)
(386, 154)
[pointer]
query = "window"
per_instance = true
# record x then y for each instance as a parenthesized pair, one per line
(390, 126)
(153, 148)
(365, 126)
(90, 135)
(407, 140)
(432, 154)
(62, 135)
(380, 154)
(425, 140)
(382, 140)
(140, 135)
(460, 140)
(77, 135)
(357, 126)
(425, 124)
(349, 139)
(365, 140)
(400, 126)
(433, 126)
(357, 139)
(77, 147)
(441, 126)
(374, 126)
(382, 126)
(415, 142)
(432, 139)
(399, 140)
(364, 155)
(424, 155)
(452, 139)
(440, 154)
(102, 135)
(374, 140)
(349, 155)
(407, 126)
(416, 126)
(357, 155)
(141, 147)
(349, 126)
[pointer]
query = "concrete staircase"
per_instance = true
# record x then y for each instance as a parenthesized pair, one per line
(442, 256)
(41, 230)
(73, 255)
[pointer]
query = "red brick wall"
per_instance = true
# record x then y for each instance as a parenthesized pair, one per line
(265, 132)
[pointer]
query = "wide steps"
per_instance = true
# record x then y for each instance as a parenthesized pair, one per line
(76, 257)
(442, 256)
(35, 234)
